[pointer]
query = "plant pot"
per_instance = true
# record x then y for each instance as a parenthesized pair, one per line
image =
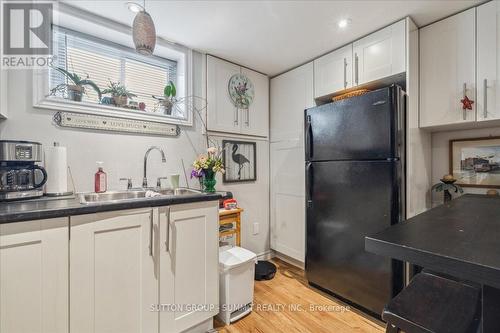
(209, 182)
(75, 92)
(120, 101)
(168, 105)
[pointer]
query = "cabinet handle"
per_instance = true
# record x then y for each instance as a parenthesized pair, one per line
(247, 122)
(465, 95)
(356, 74)
(167, 233)
(485, 111)
(236, 116)
(151, 233)
(345, 73)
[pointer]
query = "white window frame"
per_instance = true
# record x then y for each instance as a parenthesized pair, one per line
(73, 19)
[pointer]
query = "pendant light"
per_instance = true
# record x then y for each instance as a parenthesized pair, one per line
(143, 29)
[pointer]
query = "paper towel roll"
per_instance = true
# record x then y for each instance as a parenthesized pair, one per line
(56, 164)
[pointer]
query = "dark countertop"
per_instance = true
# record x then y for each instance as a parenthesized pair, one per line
(461, 238)
(52, 208)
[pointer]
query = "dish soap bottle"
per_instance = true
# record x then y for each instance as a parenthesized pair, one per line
(100, 179)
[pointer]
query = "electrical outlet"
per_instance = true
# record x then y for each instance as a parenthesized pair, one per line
(256, 228)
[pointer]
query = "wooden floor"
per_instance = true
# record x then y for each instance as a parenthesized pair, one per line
(287, 304)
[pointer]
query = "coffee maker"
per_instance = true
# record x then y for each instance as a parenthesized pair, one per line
(20, 177)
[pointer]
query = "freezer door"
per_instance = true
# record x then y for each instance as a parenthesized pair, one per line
(365, 127)
(346, 201)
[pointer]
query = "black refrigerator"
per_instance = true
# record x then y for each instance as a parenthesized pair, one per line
(354, 187)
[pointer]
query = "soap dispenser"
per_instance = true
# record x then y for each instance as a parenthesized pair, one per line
(100, 179)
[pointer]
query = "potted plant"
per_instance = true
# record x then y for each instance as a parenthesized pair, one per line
(119, 93)
(169, 93)
(76, 86)
(206, 166)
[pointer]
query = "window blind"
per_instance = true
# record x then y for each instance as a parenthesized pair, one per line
(103, 61)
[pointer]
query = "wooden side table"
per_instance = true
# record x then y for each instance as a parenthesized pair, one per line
(228, 217)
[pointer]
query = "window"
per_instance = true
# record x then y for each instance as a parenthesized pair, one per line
(103, 61)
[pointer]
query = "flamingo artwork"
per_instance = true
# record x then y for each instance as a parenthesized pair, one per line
(239, 159)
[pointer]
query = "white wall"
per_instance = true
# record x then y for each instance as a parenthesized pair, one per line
(440, 155)
(122, 154)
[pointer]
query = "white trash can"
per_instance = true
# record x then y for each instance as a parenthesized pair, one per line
(236, 278)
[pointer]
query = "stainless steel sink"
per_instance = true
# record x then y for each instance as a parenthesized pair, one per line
(118, 196)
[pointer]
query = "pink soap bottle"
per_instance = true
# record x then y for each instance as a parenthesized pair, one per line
(100, 179)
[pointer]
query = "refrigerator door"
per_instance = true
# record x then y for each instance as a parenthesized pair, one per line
(346, 201)
(359, 128)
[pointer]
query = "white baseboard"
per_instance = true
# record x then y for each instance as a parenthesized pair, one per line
(289, 260)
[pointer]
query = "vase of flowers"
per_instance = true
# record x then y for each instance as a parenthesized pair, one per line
(206, 167)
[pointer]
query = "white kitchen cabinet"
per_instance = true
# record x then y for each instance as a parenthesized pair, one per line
(114, 272)
(189, 262)
(255, 119)
(380, 54)
(333, 72)
(34, 276)
(288, 199)
(447, 70)
(222, 115)
(291, 94)
(488, 61)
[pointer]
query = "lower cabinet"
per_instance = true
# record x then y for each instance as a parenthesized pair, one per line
(114, 272)
(144, 270)
(34, 276)
(189, 263)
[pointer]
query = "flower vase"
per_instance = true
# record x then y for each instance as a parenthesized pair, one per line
(209, 182)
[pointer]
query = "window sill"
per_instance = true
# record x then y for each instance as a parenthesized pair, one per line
(61, 104)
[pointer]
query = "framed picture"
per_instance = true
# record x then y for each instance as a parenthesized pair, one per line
(476, 162)
(240, 161)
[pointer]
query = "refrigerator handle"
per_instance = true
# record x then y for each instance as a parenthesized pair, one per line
(308, 146)
(309, 185)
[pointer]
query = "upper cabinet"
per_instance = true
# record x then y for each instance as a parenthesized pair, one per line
(447, 70)
(333, 72)
(488, 61)
(380, 54)
(222, 113)
(291, 94)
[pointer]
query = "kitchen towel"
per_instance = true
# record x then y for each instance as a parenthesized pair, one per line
(56, 164)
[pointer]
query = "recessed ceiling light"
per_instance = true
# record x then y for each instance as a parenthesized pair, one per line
(344, 23)
(134, 7)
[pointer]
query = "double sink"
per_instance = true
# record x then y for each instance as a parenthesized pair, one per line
(118, 196)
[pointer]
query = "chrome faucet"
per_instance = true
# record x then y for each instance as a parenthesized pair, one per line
(163, 159)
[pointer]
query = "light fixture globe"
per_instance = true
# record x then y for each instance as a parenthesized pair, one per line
(144, 33)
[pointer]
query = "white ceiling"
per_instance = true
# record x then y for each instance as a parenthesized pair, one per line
(272, 36)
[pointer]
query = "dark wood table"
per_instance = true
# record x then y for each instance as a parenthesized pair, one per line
(461, 238)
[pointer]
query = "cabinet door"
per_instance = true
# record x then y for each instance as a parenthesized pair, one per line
(222, 115)
(189, 263)
(447, 64)
(488, 61)
(34, 276)
(333, 72)
(255, 119)
(287, 199)
(113, 274)
(291, 94)
(380, 54)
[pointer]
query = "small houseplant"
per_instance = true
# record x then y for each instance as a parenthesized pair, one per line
(169, 93)
(75, 86)
(119, 93)
(205, 168)
(447, 185)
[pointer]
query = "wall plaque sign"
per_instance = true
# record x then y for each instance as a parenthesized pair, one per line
(112, 124)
